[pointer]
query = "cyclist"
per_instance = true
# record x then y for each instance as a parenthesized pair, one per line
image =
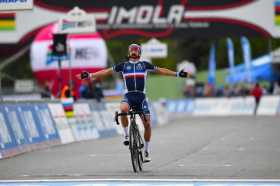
(134, 72)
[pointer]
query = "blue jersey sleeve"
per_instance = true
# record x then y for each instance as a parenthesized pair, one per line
(150, 66)
(118, 67)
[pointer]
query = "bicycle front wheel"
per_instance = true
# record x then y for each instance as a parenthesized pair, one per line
(133, 147)
(140, 146)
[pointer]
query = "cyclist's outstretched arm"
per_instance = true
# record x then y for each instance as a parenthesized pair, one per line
(167, 72)
(99, 74)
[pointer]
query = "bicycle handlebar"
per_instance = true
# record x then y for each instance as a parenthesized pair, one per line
(129, 113)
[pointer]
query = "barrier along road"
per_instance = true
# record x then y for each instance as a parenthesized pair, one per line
(187, 142)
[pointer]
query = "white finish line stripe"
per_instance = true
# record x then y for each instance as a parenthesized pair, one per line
(142, 180)
(139, 182)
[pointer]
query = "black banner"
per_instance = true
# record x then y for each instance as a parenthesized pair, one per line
(106, 5)
(163, 18)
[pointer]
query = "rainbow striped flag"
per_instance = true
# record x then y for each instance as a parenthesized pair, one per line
(277, 12)
(68, 106)
(7, 21)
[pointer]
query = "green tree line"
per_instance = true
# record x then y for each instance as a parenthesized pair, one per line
(197, 50)
(192, 49)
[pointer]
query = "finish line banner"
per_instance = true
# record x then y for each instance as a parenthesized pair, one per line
(8, 5)
(159, 19)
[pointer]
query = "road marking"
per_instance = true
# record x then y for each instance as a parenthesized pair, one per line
(92, 155)
(24, 175)
(241, 149)
(139, 182)
(227, 165)
(143, 180)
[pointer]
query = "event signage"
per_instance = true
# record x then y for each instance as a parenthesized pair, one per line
(77, 21)
(8, 5)
(46, 122)
(212, 65)
(154, 49)
(16, 126)
(4, 134)
(30, 125)
(247, 57)
(153, 19)
(147, 16)
(7, 138)
(230, 48)
(87, 52)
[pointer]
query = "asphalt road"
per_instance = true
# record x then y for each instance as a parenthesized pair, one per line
(194, 148)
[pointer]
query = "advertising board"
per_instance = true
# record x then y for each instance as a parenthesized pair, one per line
(8, 5)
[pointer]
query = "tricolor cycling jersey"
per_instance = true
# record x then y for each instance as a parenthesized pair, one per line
(134, 74)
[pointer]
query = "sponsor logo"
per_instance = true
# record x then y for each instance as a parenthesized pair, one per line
(76, 24)
(4, 133)
(16, 4)
(149, 17)
(68, 24)
(139, 67)
(145, 14)
(13, 1)
(128, 68)
(140, 16)
(85, 53)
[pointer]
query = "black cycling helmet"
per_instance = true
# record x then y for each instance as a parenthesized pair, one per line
(134, 51)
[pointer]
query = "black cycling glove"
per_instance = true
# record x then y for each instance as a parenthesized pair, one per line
(182, 74)
(85, 75)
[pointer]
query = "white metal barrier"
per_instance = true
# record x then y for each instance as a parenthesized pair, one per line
(269, 106)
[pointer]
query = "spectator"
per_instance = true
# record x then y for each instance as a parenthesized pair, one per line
(236, 90)
(244, 90)
(66, 92)
(97, 90)
(46, 90)
(209, 90)
(276, 89)
(84, 89)
(228, 91)
(199, 87)
(91, 90)
(189, 88)
(265, 90)
(271, 87)
(220, 92)
(257, 93)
